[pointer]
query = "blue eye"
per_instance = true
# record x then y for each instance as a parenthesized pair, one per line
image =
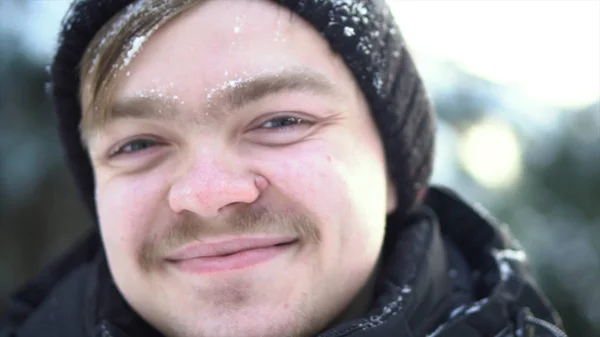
(282, 122)
(134, 146)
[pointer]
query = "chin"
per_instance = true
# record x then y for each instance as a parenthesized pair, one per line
(247, 323)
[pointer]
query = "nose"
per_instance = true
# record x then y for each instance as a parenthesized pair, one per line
(210, 185)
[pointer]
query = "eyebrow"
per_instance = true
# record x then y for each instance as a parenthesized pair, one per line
(231, 96)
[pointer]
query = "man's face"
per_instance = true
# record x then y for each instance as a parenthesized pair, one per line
(240, 183)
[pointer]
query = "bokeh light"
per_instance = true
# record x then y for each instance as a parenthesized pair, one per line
(490, 152)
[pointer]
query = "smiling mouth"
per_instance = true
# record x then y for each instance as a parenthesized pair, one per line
(233, 255)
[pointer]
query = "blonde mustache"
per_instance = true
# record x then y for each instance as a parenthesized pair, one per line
(248, 221)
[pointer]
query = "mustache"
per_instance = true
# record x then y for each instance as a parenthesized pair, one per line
(247, 221)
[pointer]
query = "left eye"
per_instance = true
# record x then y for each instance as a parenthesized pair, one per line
(282, 122)
(134, 146)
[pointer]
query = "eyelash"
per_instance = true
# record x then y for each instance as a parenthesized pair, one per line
(144, 142)
(291, 122)
(288, 123)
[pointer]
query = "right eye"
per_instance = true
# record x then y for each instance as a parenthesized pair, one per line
(134, 146)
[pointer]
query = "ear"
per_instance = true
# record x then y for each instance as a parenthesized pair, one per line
(392, 196)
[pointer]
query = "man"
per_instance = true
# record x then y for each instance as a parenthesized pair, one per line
(261, 168)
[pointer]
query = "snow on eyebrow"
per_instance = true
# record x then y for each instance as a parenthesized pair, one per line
(159, 91)
(278, 79)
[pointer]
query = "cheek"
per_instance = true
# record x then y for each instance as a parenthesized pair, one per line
(311, 178)
(311, 183)
(329, 181)
(127, 207)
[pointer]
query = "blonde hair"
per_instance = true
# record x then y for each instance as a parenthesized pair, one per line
(112, 49)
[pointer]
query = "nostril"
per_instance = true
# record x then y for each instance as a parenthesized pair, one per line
(261, 182)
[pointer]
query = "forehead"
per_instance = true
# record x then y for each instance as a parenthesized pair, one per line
(220, 42)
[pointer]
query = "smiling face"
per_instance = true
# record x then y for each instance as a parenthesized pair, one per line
(241, 184)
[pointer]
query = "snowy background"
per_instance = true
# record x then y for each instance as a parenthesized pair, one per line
(517, 89)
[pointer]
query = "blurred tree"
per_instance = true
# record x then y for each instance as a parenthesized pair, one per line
(553, 208)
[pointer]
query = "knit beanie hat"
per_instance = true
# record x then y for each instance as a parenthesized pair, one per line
(362, 32)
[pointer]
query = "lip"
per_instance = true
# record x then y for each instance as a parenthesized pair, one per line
(201, 257)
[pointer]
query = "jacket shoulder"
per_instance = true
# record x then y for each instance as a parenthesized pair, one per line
(60, 314)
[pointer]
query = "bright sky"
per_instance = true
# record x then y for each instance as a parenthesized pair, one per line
(549, 49)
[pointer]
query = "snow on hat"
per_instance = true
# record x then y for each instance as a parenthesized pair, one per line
(363, 32)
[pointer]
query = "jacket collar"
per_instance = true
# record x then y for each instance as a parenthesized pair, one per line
(505, 290)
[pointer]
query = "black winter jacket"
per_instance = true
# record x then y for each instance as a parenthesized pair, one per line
(448, 272)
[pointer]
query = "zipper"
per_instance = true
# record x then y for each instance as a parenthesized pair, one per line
(526, 319)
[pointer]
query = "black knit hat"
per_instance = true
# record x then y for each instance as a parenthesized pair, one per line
(362, 32)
